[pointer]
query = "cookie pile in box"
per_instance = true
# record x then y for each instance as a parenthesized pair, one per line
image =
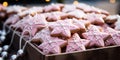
(61, 28)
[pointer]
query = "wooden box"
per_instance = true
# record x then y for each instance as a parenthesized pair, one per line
(31, 52)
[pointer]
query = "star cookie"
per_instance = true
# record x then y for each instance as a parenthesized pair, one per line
(75, 43)
(84, 7)
(52, 46)
(117, 24)
(80, 24)
(99, 11)
(32, 11)
(53, 7)
(68, 8)
(39, 19)
(32, 29)
(95, 36)
(63, 28)
(79, 14)
(115, 36)
(90, 9)
(22, 23)
(95, 18)
(104, 12)
(12, 20)
(41, 35)
(94, 28)
(85, 22)
(15, 9)
(111, 18)
(35, 24)
(31, 24)
(54, 16)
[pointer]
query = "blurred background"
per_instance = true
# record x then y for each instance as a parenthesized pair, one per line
(112, 6)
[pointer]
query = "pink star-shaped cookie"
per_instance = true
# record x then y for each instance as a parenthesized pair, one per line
(12, 20)
(97, 10)
(94, 28)
(52, 46)
(53, 7)
(22, 23)
(68, 8)
(85, 22)
(79, 14)
(75, 43)
(32, 24)
(63, 28)
(32, 29)
(95, 18)
(95, 36)
(39, 19)
(35, 24)
(84, 7)
(111, 19)
(15, 9)
(31, 11)
(115, 36)
(90, 9)
(80, 24)
(54, 16)
(41, 35)
(104, 12)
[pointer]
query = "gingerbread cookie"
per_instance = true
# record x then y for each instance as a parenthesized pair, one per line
(52, 46)
(22, 23)
(12, 20)
(83, 7)
(63, 28)
(91, 9)
(76, 14)
(53, 7)
(15, 9)
(41, 35)
(32, 11)
(114, 36)
(99, 11)
(95, 18)
(80, 24)
(54, 16)
(69, 8)
(75, 43)
(36, 22)
(111, 18)
(117, 24)
(96, 37)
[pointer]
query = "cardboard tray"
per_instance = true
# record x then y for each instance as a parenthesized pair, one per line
(31, 52)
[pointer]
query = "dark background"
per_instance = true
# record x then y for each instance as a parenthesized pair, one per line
(113, 8)
(43, 1)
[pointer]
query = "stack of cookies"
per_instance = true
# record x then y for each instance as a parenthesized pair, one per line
(61, 28)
